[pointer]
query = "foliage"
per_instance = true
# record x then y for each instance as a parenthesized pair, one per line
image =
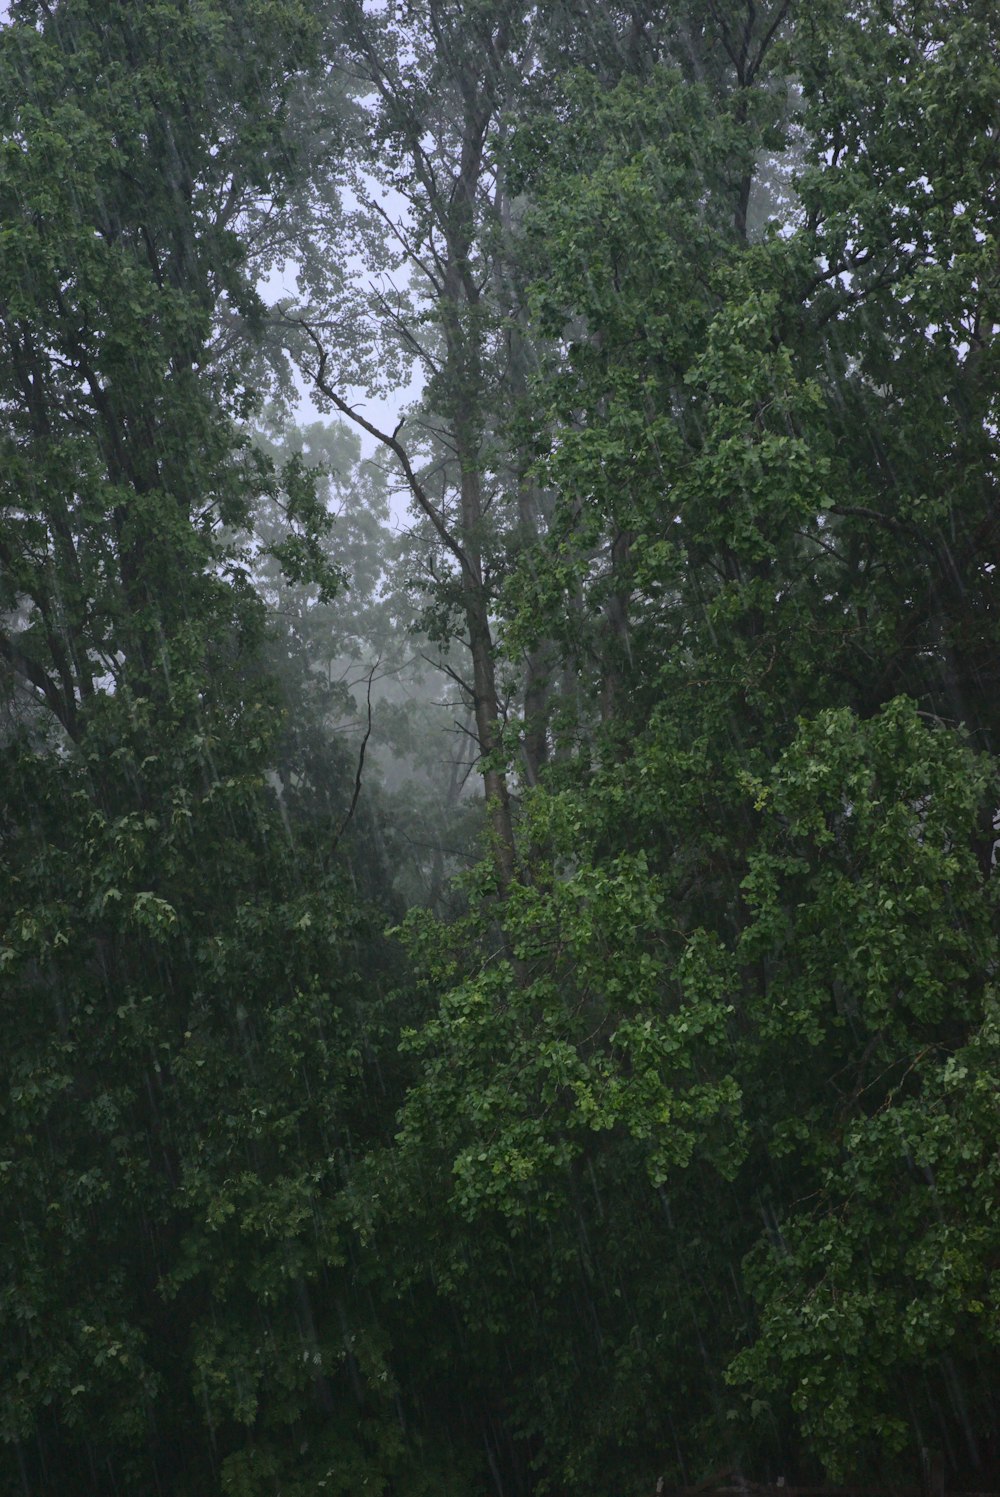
(665, 1138)
(766, 454)
(185, 961)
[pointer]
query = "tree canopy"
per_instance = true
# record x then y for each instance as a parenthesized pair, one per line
(633, 1115)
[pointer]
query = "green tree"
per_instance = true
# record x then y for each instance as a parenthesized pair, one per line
(689, 1145)
(770, 447)
(189, 981)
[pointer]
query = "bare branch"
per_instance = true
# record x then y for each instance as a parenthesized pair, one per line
(361, 763)
(442, 665)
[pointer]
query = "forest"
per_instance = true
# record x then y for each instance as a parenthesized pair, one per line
(499, 732)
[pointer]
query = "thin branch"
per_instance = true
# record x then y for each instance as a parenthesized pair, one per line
(441, 665)
(816, 541)
(464, 732)
(361, 763)
(862, 512)
(403, 332)
(408, 248)
(318, 376)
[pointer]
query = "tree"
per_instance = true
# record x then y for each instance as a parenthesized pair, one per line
(686, 1142)
(440, 81)
(763, 444)
(189, 979)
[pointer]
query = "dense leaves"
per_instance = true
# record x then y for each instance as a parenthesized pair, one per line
(664, 1138)
(183, 967)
